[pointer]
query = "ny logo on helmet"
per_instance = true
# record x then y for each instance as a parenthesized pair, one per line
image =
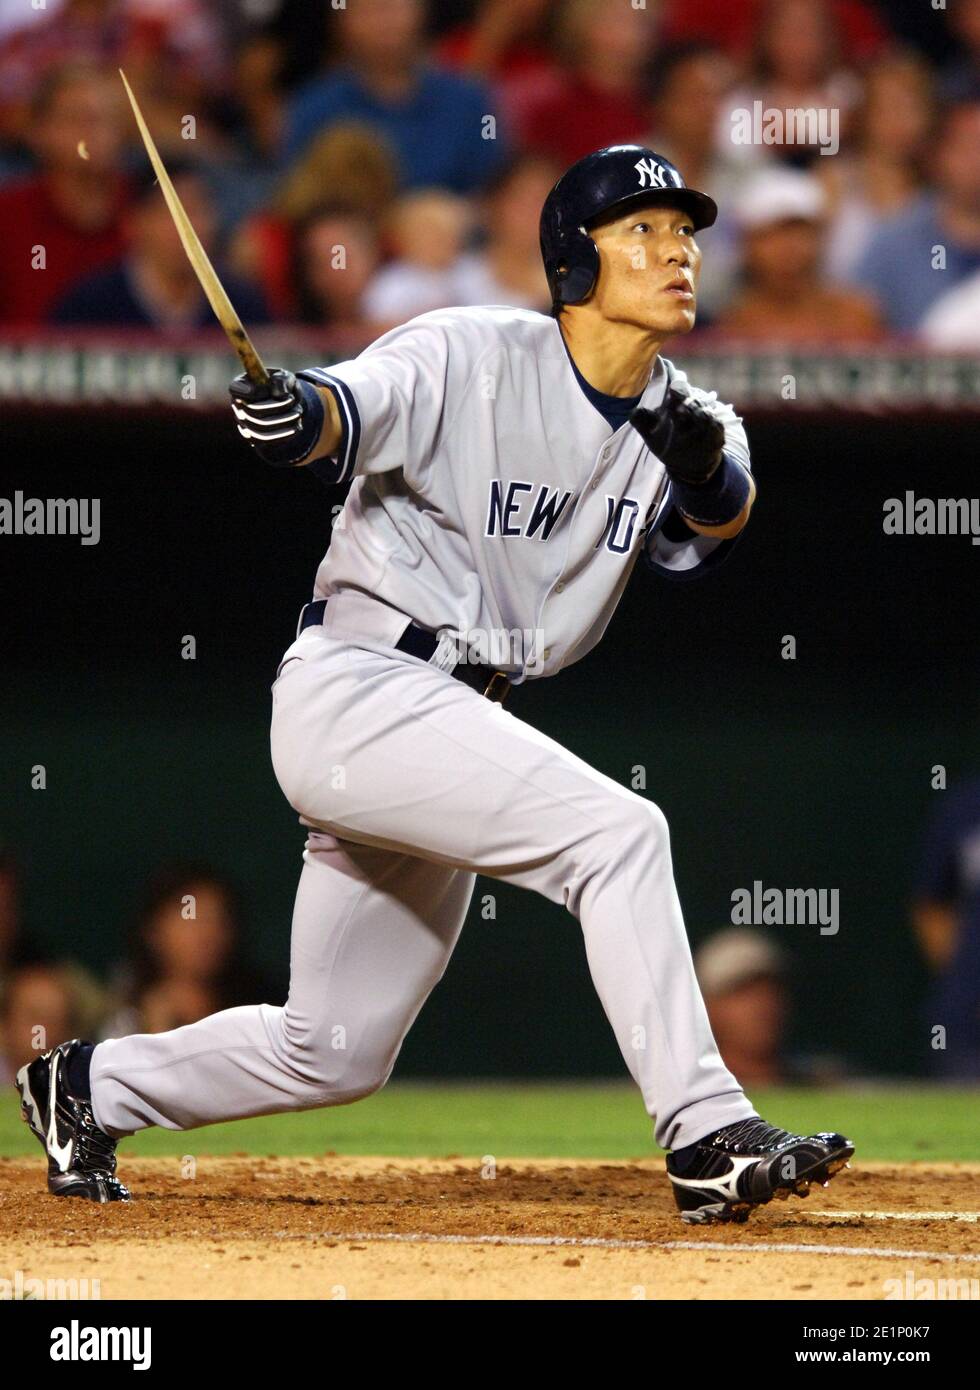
(651, 173)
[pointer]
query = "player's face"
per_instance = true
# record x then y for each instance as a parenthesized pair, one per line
(84, 116)
(153, 229)
(193, 948)
(648, 273)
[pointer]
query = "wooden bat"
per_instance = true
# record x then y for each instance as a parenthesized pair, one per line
(196, 254)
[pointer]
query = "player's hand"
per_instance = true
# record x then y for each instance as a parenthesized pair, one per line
(267, 413)
(684, 435)
(281, 420)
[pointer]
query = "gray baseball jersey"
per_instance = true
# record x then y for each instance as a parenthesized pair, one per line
(490, 497)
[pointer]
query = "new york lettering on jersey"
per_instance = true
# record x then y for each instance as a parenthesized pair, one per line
(488, 492)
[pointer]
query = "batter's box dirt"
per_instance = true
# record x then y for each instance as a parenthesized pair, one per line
(334, 1228)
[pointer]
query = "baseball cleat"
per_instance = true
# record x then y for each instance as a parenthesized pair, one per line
(81, 1157)
(745, 1165)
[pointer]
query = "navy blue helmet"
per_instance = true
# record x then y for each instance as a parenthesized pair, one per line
(603, 182)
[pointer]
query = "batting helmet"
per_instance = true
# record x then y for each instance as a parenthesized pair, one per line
(602, 182)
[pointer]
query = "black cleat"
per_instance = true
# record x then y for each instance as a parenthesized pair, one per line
(81, 1157)
(746, 1164)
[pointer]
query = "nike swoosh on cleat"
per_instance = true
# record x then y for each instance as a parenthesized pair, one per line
(61, 1153)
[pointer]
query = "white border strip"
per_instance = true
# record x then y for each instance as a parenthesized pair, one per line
(604, 1243)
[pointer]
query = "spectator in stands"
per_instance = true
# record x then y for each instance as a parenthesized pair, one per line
(348, 166)
(38, 1008)
(507, 268)
(784, 297)
(64, 35)
(503, 41)
(946, 917)
(796, 64)
(960, 78)
(36, 993)
(741, 974)
(688, 85)
(953, 322)
(930, 248)
(598, 96)
(734, 24)
(171, 50)
(433, 267)
(509, 44)
(436, 120)
(67, 219)
(186, 954)
(884, 174)
(299, 32)
(337, 255)
(428, 232)
(153, 285)
(278, 46)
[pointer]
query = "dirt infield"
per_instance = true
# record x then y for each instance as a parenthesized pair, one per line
(395, 1228)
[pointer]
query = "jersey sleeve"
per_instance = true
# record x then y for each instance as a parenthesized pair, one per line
(392, 401)
(672, 548)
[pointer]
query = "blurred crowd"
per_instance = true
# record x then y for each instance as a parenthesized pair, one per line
(183, 960)
(353, 164)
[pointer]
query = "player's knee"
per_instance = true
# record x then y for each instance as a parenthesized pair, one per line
(627, 829)
(631, 819)
(330, 1067)
(336, 1079)
(353, 1082)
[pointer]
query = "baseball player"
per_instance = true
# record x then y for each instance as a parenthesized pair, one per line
(507, 470)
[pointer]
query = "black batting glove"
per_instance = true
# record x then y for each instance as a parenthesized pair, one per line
(281, 420)
(685, 436)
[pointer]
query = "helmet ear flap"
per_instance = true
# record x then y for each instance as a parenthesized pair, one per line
(578, 267)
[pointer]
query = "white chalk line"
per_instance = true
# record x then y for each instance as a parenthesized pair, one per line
(901, 1215)
(610, 1243)
(866, 1251)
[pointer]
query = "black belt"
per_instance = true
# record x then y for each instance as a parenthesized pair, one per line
(420, 642)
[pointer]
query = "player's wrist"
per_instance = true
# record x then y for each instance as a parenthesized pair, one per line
(719, 500)
(289, 453)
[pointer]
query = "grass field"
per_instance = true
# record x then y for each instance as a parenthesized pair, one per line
(888, 1123)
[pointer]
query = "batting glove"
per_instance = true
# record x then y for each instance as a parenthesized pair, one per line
(707, 487)
(281, 420)
(685, 436)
